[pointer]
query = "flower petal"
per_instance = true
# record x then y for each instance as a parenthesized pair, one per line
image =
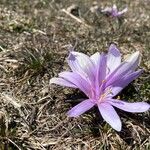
(62, 82)
(123, 11)
(81, 108)
(114, 11)
(95, 58)
(110, 116)
(107, 10)
(134, 60)
(113, 58)
(101, 74)
(100, 67)
(78, 81)
(100, 70)
(114, 7)
(130, 107)
(126, 67)
(121, 83)
(81, 64)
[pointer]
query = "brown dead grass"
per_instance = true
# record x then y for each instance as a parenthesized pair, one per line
(34, 40)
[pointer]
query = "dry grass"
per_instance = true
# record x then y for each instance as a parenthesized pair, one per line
(34, 40)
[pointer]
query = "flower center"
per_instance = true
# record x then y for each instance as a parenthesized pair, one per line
(105, 94)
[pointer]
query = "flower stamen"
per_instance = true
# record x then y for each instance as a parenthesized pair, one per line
(103, 81)
(102, 96)
(118, 97)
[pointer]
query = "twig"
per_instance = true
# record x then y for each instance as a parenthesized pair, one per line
(9, 99)
(16, 105)
(75, 18)
(3, 68)
(14, 143)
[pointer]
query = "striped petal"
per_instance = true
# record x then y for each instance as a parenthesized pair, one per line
(134, 60)
(110, 116)
(121, 83)
(95, 58)
(78, 81)
(126, 67)
(123, 11)
(81, 108)
(82, 64)
(113, 58)
(135, 107)
(62, 82)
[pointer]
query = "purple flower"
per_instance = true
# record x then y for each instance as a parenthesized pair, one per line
(101, 77)
(113, 11)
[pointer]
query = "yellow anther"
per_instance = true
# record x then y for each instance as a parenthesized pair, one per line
(103, 81)
(108, 91)
(102, 96)
(118, 97)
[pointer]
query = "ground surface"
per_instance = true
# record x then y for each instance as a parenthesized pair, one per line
(34, 40)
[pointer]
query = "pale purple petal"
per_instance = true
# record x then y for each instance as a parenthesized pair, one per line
(100, 74)
(78, 81)
(81, 108)
(100, 67)
(126, 67)
(114, 7)
(62, 82)
(134, 60)
(95, 58)
(81, 64)
(110, 116)
(118, 73)
(123, 11)
(100, 70)
(114, 11)
(107, 10)
(130, 107)
(121, 83)
(111, 10)
(113, 58)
